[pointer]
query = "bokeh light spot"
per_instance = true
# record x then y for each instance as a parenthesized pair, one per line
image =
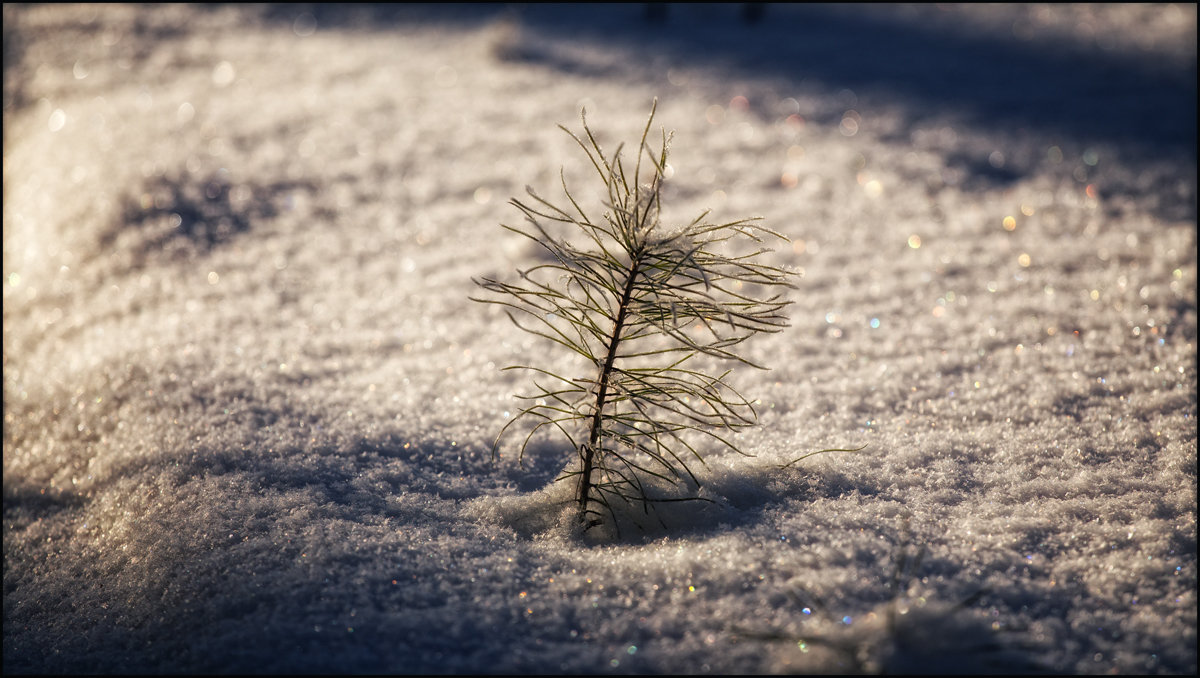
(185, 113)
(849, 126)
(304, 25)
(58, 120)
(223, 74)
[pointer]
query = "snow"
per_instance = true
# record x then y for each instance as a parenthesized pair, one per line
(249, 408)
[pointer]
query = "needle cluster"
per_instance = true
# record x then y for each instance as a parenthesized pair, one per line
(639, 305)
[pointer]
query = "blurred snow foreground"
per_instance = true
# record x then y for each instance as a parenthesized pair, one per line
(248, 408)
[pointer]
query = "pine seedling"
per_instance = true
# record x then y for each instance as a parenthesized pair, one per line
(640, 305)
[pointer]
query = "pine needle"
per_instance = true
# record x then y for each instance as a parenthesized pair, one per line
(636, 307)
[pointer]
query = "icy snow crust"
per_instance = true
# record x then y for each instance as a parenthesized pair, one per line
(248, 407)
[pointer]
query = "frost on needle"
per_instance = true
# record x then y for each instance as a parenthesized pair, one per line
(639, 304)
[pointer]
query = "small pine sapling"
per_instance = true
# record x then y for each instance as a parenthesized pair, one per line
(639, 304)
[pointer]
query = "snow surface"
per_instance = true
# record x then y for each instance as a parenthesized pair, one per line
(248, 407)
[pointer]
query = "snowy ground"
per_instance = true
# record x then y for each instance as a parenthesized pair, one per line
(248, 407)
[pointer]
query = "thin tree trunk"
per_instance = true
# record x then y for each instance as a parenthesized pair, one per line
(591, 449)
